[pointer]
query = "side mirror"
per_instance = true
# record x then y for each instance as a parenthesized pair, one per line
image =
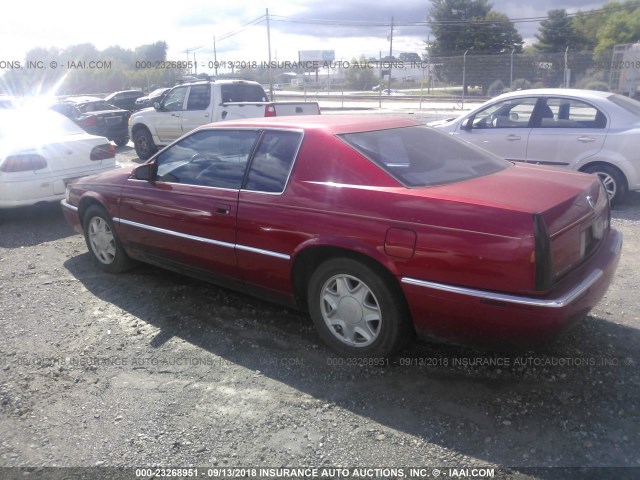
(157, 106)
(144, 172)
(467, 124)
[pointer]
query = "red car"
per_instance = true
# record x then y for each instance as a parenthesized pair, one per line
(380, 227)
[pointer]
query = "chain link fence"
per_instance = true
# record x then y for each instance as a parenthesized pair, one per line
(490, 75)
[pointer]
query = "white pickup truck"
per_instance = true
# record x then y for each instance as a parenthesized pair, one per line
(191, 105)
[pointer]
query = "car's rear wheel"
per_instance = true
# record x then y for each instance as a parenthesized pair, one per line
(143, 143)
(357, 310)
(121, 142)
(613, 180)
(103, 242)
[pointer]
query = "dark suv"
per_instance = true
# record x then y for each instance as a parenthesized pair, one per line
(125, 99)
(98, 118)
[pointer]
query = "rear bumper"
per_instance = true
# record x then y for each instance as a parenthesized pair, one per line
(476, 316)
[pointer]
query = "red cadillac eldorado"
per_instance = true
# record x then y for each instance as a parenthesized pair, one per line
(379, 227)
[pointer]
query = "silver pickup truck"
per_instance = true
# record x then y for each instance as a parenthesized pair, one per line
(191, 105)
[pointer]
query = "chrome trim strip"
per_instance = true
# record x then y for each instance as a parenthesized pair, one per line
(260, 251)
(175, 234)
(560, 302)
(264, 252)
(68, 205)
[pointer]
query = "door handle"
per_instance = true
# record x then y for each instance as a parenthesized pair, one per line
(222, 209)
(586, 139)
(175, 115)
(206, 115)
(512, 137)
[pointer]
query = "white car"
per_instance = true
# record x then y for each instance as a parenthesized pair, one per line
(586, 130)
(41, 151)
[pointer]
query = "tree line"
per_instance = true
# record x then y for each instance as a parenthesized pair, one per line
(460, 30)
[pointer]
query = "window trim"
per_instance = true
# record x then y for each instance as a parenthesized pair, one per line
(544, 102)
(261, 131)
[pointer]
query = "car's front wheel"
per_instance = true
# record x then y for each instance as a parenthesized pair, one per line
(143, 142)
(103, 242)
(357, 310)
(613, 180)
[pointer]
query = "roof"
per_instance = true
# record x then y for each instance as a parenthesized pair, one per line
(575, 92)
(330, 123)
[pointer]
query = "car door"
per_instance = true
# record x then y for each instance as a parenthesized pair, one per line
(198, 108)
(185, 216)
(567, 131)
(502, 128)
(169, 118)
(267, 230)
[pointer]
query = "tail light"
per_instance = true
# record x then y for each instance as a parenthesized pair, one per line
(543, 260)
(103, 152)
(269, 111)
(23, 163)
(90, 122)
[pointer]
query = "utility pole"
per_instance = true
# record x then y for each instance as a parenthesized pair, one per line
(215, 57)
(269, 47)
(390, 57)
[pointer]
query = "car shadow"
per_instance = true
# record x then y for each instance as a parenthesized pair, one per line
(28, 226)
(572, 403)
(629, 209)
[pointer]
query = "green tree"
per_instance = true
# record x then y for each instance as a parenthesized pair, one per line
(451, 24)
(556, 33)
(359, 76)
(471, 26)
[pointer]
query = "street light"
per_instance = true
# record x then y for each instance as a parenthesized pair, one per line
(464, 74)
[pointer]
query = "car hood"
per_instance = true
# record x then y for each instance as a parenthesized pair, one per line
(112, 177)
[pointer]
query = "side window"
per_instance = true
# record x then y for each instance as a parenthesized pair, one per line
(507, 114)
(272, 162)
(209, 158)
(569, 113)
(199, 97)
(175, 99)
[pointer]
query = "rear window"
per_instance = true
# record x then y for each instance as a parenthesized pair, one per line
(422, 156)
(242, 92)
(629, 104)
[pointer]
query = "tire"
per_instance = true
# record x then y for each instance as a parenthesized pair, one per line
(357, 311)
(143, 143)
(121, 142)
(613, 179)
(103, 243)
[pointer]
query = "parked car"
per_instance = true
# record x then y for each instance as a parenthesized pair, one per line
(148, 100)
(191, 105)
(99, 118)
(377, 226)
(585, 130)
(125, 99)
(41, 151)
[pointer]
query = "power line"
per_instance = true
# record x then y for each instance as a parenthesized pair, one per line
(242, 28)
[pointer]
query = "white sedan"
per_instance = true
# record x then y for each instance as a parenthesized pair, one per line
(586, 130)
(41, 151)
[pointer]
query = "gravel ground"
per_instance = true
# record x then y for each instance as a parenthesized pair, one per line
(151, 368)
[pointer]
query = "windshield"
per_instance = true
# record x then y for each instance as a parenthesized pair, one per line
(629, 104)
(423, 156)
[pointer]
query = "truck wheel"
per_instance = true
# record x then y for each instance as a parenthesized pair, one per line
(144, 144)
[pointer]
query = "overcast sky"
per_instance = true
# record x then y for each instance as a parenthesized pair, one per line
(189, 24)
